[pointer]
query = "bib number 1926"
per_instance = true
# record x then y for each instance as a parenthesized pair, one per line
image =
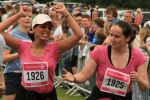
(38, 75)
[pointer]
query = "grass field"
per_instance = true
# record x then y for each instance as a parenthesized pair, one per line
(62, 96)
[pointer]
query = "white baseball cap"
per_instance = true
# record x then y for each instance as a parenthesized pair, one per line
(41, 19)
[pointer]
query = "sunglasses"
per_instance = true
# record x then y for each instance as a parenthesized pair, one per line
(46, 25)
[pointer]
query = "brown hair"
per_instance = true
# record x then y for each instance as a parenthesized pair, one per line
(107, 26)
(144, 33)
(86, 16)
(99, 22)
(113, 10)
(135, 27)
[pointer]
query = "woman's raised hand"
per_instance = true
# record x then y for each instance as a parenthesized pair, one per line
(60, 8)
(24, 10)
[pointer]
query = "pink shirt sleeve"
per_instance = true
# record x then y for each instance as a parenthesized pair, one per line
(139, 57)
(55, 47)
(23, 46)
(97, 53)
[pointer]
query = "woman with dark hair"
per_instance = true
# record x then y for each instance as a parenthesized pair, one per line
(117, 66)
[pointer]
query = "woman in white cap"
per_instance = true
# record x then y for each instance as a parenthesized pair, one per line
(39, 58)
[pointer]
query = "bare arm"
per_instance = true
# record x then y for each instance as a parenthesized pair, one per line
(141, 76)
(85, 74)
(6, 23)
(9, 21)
(8, 57)
(143, 81)
(74, 39)
(11, 41)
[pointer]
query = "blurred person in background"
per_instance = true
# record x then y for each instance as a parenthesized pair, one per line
(128, 16)
(34, 12)
(147, 25)
(138, 17)
(9, 11)
(111, 18)
(2, 12)
(107, 26)
(145, 40)
(98, 26)
(5, 24)
(12, 72)
(2, 84)
(136, 42)
(86, 23)
(94, 14)
(57, 18)
(145, 46)
(111, 14)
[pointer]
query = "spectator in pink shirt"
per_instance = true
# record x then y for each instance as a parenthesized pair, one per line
(139, 17)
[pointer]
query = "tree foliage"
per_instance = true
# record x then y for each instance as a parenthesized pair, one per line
(133, 4)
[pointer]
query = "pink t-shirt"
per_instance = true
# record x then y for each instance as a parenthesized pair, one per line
(51, 56)
(100, 55)
(138, 19)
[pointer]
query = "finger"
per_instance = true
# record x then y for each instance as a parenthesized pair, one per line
(31, 32)
(21, 3)
(64, 77)
(21, 7)
(27, 8)
(64, 70)
(133, 72)
(133, 77)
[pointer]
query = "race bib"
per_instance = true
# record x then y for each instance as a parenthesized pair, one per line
(35, 74)
(115, 82)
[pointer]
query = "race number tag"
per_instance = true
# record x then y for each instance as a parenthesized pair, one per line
(35, 74)
(115, 82)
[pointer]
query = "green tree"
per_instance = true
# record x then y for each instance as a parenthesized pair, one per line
(130, 4)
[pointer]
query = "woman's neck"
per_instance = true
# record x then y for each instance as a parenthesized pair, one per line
(24, 29)
(38, 44)
(121, 50)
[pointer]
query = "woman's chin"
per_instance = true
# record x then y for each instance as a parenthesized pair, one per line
(44, 39)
